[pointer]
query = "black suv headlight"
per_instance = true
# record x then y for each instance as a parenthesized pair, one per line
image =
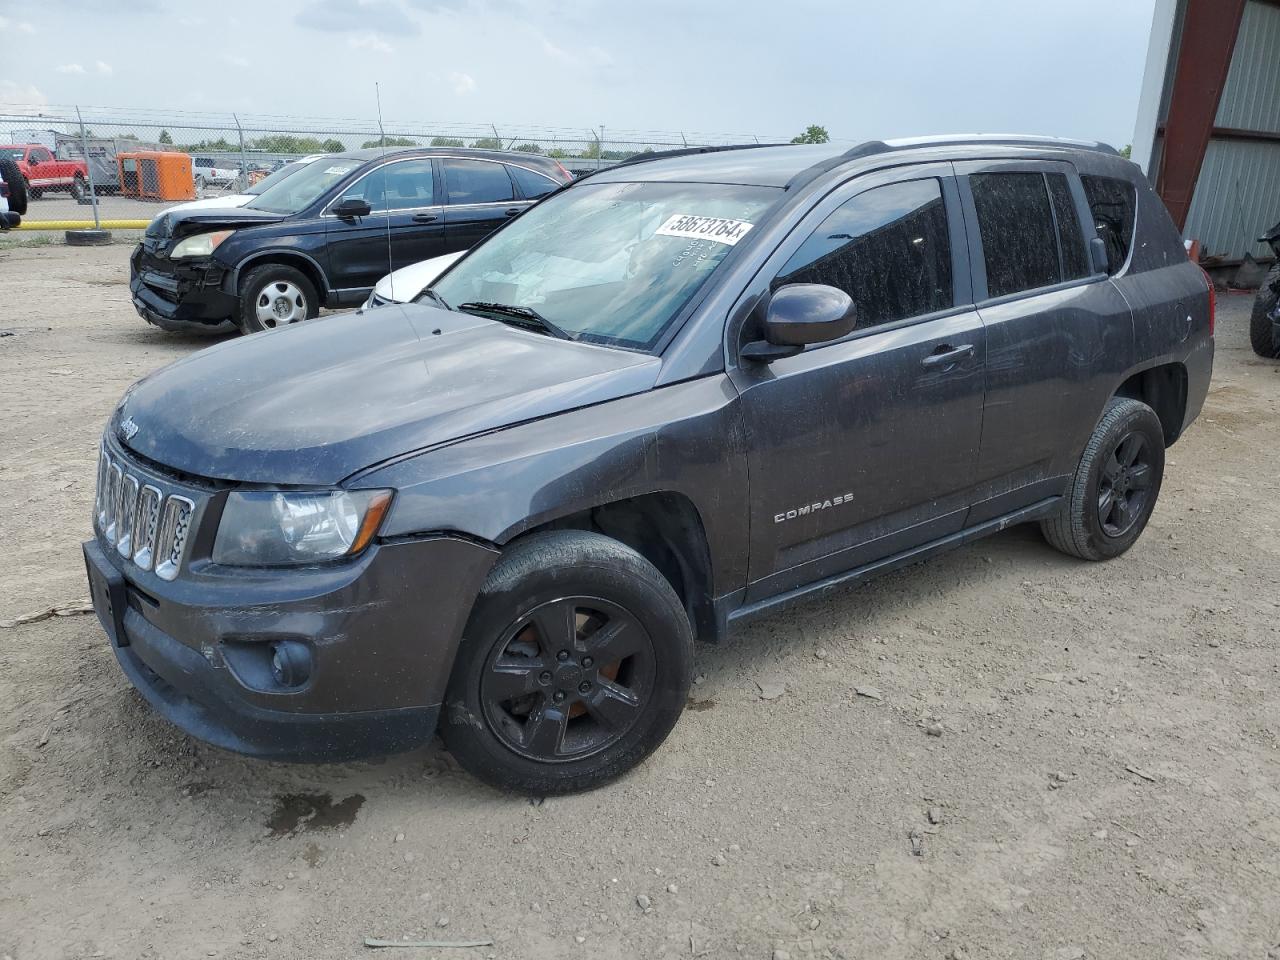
(264, 528)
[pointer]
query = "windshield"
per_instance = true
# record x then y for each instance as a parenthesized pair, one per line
(305, 187)
(610, 262)
(269, 181)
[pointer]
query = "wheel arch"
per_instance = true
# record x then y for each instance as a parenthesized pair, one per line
(666, 528)
(291, 258)
(1163, 388)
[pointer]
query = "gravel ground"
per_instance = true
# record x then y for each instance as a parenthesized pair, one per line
(1105, 782)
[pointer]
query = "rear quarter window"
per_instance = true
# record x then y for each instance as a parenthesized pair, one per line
(532, 185)
(1113, 203)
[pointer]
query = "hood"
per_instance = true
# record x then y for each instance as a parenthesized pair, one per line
(315, 403)
(401, 286)
(210, 203)
(182, 221)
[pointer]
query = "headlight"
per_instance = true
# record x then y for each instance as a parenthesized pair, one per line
(271, 528)
(199, 245)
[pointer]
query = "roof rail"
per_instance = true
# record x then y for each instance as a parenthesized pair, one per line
(687, 152)
(873, 147)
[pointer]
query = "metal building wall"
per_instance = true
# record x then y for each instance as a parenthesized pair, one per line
(1237, 195)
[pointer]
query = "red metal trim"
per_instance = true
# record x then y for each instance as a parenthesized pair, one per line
(1208, 39)
(1236, 133)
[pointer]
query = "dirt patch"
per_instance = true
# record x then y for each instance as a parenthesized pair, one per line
(822, 822)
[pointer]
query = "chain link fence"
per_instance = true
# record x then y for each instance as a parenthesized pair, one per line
(90, 160)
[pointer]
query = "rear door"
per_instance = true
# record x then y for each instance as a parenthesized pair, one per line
(480, 197)
(406, 225)
(866, 447)
(1058, 333)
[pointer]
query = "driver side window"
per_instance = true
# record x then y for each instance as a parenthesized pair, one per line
(889, 249)
(371, 188)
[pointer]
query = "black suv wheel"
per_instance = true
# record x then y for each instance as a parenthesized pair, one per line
(1262, 324)
(574, 666)
(1115, 486)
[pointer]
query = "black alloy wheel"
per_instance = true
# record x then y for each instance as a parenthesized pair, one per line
(1125, 485)
(568, 679)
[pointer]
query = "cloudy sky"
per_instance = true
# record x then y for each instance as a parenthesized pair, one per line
(862, 69)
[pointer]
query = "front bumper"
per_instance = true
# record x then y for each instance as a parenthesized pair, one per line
(381, 632)
(180, 298)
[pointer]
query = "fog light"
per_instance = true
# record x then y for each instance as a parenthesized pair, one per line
(290, 663)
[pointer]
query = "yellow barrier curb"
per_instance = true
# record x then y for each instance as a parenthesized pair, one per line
(83, 225)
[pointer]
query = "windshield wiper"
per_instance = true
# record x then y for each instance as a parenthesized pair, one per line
(518, 316)
(428, 292)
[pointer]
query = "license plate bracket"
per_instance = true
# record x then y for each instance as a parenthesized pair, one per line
(108, 591)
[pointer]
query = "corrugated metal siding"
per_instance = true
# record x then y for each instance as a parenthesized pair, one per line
(1251, 97)
(1237, 198)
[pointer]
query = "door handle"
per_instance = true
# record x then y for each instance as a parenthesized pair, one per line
(512, 211)
(946, 355)
(425, 217)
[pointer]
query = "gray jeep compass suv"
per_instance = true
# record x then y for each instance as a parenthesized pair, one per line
(667, 397)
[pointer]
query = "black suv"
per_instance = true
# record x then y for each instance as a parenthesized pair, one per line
(324, 236)
(675, 394)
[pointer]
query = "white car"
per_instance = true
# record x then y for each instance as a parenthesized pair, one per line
(405, 284)
(240, 199)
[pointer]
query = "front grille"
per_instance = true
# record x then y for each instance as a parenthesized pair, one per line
(145, 524)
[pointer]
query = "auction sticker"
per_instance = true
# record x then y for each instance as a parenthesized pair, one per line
(719, 229)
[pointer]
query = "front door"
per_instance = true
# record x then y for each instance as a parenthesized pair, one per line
(865, 447)
(481, 198)
(406, 225)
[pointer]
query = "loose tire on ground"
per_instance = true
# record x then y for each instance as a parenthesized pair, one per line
(87, 238)
(1262, 336)
(511, 715)
(1124, 459)
(17, 184)
(274, 295)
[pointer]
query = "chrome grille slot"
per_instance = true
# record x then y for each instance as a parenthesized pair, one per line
(128, 510)
(173, 536)
(146, 525)
(142, 516)
(115, 478)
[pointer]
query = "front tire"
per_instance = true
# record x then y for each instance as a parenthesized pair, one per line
(1262, 328)
(274, 295)
(574, 666)
(1115, 485)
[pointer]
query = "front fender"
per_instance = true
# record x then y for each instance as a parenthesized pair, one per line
(686, 438)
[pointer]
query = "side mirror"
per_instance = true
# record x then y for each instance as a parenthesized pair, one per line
(800, 314)
(352, 207)
(1098, 253)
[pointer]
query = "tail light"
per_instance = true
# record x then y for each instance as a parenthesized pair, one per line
(1213, 299)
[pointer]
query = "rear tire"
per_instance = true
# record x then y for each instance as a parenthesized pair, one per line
(1115, 485)
(79, 190)
(1262, 330)
(574, 666)
(274, 295)
(17, 185)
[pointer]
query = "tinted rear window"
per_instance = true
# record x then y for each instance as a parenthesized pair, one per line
(1018, 238)
(1112, 203)
(533, 185)
(1075, 257)
(888, 248)
(477, 181)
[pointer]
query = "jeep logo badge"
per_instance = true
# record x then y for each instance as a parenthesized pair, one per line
(128, 429)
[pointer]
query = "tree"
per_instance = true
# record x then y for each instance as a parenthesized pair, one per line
(446, 142)
(1126, 151)
(164, 137)
(528, 148)
(813, 134)
(488, 143)
(390, 142)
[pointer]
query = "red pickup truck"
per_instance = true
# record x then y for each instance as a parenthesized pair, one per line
(43, 171)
